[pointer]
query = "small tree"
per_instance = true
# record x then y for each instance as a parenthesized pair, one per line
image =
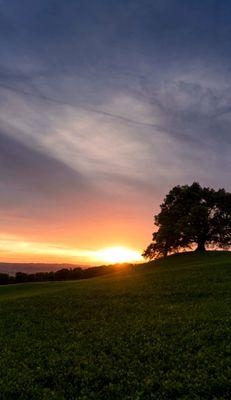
(191, 215)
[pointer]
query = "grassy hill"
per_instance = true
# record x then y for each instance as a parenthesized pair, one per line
(159, 331)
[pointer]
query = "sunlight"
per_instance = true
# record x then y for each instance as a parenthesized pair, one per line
(114, 255)
(18, 248)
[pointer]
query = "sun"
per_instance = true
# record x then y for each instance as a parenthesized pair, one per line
(114, 255)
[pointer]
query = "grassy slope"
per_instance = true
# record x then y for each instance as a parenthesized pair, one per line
(160, 332)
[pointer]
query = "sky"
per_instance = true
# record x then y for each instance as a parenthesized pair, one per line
(104, 107)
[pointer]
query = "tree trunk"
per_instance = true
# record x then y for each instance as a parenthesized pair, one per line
(165, 253)
(201, 246)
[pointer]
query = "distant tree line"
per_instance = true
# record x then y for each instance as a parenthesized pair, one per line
(63, 274)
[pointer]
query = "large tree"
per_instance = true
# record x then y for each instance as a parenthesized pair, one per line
(191, 216)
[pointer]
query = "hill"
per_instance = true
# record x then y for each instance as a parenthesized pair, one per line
(159, 331)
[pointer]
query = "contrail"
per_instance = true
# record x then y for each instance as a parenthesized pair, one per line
(178, 135)
(80, 106)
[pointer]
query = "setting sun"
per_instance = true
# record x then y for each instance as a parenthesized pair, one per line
(113, 255)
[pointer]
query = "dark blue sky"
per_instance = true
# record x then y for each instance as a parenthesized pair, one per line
(104, 106)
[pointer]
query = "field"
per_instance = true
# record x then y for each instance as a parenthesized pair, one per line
(160, 331)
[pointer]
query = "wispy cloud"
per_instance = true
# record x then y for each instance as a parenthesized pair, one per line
(104, 107)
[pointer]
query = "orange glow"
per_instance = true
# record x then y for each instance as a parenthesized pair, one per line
(18, 249)
(73, 237)
(68, 236)
(114, 255)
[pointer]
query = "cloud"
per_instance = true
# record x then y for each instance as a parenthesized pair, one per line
(30, 178)
(106, 106)
(172, 135)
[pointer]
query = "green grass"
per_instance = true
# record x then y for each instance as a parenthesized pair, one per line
(161, 331)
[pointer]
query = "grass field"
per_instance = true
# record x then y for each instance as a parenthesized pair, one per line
(161, 331)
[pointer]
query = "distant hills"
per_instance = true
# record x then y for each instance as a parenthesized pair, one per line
(30, 268)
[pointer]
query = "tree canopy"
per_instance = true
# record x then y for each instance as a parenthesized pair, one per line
(191, 216)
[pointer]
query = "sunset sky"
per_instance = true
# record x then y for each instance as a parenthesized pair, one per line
(104, 107)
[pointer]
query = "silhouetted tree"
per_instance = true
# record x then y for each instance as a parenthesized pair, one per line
(75, 273)
(21, 277)
(61, 275)
(4, 279)
(191, 215)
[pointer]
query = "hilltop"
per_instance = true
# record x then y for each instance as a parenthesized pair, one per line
(160, 330)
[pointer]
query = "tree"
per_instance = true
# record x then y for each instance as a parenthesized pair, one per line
(4, 279)
(20, 277)
(189, 216)
(61, 274)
